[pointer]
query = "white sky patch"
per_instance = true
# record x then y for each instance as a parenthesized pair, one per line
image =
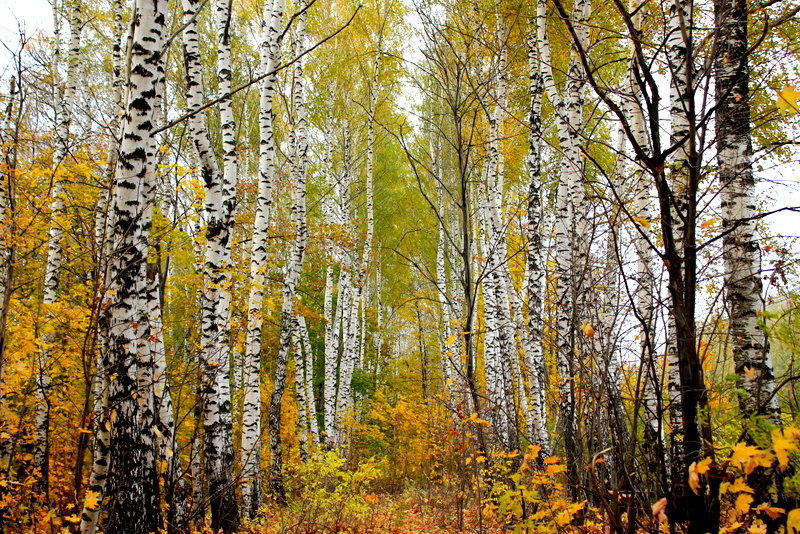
(21, 17)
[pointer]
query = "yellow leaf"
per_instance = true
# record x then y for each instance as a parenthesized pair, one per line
(762, 459)
(473, 418)
(743, 502)
(703, 466)
(643, 221)
(787, 99)
(450, 340)
(793, 522)
(759, 527)
(92, 499)
(742, 453)
(588, 330)
(740, 487)
(564, 518)
(533, 452)
(772, 511)
(781, 445)
(553, 469)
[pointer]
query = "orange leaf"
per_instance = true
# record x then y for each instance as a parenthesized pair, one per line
(694, 478)
(658, 510)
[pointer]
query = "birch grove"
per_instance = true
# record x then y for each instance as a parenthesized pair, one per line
(399, 267)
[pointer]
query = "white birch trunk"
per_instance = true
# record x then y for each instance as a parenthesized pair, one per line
(331, 358)
(299, 143)
(104, 245)
(741, 249)
(251, 416)
(214, 353)
(133, 496)
(535, 251)
(446, 339)
(308, 384)
(644, 241)
(679, 32)
(303, 433)
(64, 94)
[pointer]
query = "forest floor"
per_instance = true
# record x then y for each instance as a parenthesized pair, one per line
(408, 512)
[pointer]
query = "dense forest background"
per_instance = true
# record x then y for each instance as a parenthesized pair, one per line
(443, 265)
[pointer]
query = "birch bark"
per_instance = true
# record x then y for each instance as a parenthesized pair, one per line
(570, 220)
(214, 352)
(741, 249)
(535, 252)
(64, 94)
(133, 497)
(299, 142)
(251, 417)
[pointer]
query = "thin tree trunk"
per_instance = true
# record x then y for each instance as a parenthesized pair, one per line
(299, 143)
(308, 384)
(9, 130)
(64, 93)
(331, 359)
(215, 357)
(252, 496)
(535, 252)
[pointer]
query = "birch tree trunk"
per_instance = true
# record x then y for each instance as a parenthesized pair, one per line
(308, 383)
(299, 143)
(331, 358)
(679, 124)
(446, 339)
(169, 466)
(535, 253)
(214, 352)
(64, 94)
(133, 502)
(570, 223)
(741, 249)
(650, 376)
(251, 418)
(96, 487)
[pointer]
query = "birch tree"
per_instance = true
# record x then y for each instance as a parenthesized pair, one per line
(64, 96)
(9, 139)
(570, 223)
(535, 254)
(251, 417)
(133, 502)
(214, 355)
(741, 248)
(299, 142)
